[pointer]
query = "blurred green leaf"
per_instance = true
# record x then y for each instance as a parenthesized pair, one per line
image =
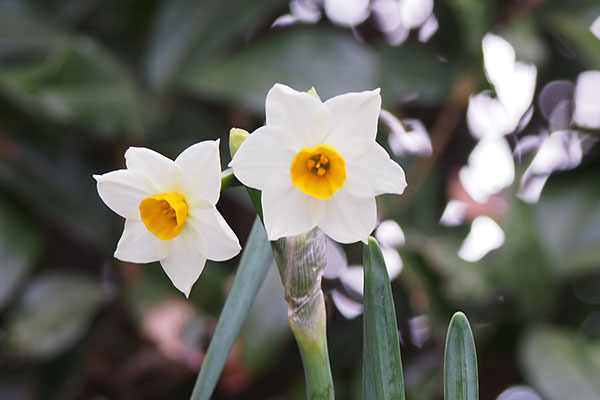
(53, 313)
(567, 218)
(382, 363)
(23, 32)
(577, 33)
(199, 31)
(20, 245)
(256, 259)
(79, 84)
(461, 381)
(560, 364)
(475, 18)
(330, 61)
(266, 327)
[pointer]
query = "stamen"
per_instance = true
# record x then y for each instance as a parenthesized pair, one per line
(171, 214)
(321, 171)
(164, 205)
(310, 163)
(323, 159)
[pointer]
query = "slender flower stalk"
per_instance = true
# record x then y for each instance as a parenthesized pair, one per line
(301, 261)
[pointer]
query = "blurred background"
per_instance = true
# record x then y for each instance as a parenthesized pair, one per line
(81, 80)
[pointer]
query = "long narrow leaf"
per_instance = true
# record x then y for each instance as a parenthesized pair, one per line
(382, 364)
(256, 259)
(460, 361)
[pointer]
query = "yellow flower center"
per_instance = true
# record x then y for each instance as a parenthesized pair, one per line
(164, 214)
(319, 171)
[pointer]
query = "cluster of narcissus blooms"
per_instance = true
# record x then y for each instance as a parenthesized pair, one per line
(316, 163)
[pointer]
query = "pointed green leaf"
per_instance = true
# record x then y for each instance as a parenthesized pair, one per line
(382, 364)
(256, 259)
(460, 362)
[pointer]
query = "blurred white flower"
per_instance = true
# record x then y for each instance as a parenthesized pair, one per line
(406, 137)
(560, 150)
(514, 84)
(587, 100)
(169, 210)
(490, 169)
(390, 234)
(454, 214)
(317, 164)
(485, 236)
(395, 18)
(347, 12)
(595, 28)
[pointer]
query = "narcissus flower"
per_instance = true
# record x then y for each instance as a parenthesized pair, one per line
(317, 164)
(169, 210)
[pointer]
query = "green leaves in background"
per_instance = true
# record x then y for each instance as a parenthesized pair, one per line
(328, 60)
(54, 312)
(20, 245)
(460, 361)
(382, 364)
(199, 31)
(561, 364)
(256, 259)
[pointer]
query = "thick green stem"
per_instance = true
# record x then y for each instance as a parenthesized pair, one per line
(301, 260)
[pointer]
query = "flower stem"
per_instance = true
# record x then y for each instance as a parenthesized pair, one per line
(301, 260)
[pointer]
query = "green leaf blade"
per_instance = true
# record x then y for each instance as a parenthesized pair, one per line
(382, 363)
(256, 259)
(460, 361)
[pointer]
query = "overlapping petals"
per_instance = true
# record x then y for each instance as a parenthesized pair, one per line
(195, 177)
(298, 121)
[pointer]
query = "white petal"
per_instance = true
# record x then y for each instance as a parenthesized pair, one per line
(122, 191)
(185, 263)
(162, 173)
(347, 12)
(373, 173)
(290, 212)
(387, 15)
(454, 214)
(354, 121)
(491, 168)
(485, 236)
(216, 239)
(336, 260)
(587, 102)
(498, 57)
(428, 29)
(353, 279)
(138, 245)
(201, 165)
(412, 139)
(348, 307)
(389, 234)
(348, 218)
(393, 262)
(301, 117)
(487, 117)
(515, 90)
(415, 12)
(595, 28)
(263, 161)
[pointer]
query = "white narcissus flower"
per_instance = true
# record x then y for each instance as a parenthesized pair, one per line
(317, 164)
(169, 210)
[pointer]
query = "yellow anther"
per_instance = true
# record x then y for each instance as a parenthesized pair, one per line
(164, 205)
(318, 171)
(171, 213)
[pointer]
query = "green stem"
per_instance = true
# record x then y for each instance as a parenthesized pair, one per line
(308, 325)
(301, 260)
